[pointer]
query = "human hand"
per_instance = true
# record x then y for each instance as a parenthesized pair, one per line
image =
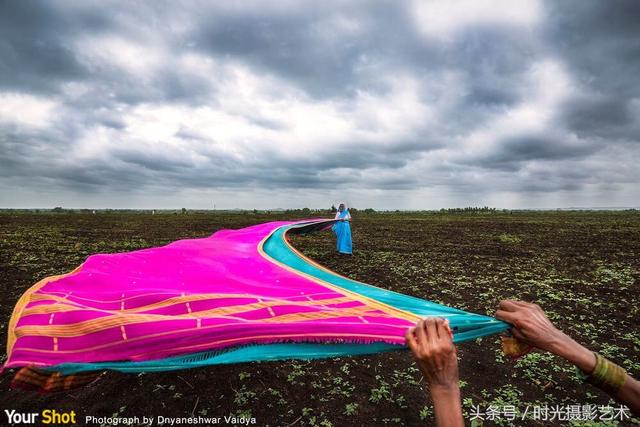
(431, 342)
(530, 324)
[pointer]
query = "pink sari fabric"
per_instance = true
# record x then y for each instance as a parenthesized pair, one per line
(189, 296)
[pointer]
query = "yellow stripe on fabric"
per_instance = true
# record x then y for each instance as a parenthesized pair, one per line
(111, 300)
(173, 294)
(284, 318)
(271, 312)
(68, 305)
(96, 325)
(166, 333)
(22, 303)
(160, 304)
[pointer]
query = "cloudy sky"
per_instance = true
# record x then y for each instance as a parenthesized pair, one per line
(385, 104)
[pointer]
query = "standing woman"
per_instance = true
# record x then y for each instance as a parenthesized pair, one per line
(343, 230)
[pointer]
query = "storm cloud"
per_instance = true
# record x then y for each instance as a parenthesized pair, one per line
(385, 104)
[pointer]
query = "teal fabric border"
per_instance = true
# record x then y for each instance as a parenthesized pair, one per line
(467, 326)
(254, 353)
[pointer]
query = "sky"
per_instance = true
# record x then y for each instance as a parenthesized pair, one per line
(289, 104)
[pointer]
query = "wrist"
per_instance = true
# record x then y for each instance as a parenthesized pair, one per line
(561, 344)
(445, 390)
(447, 404)
(575, 353)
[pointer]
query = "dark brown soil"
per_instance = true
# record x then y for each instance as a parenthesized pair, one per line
(583, 268)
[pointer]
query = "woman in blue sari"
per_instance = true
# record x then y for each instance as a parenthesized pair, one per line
(343, 230)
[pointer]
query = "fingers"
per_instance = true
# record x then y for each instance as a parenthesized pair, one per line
(522, 303)
(444, 337)
(441, 330)
(447, 328)
(429, 335)
(432, 330)
(520, 312)
(513, 305)
(421, 332)
(510, 305)
(410, 338)
(506, 316)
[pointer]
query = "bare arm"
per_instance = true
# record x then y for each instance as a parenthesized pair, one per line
(533, 327)
(431, 342)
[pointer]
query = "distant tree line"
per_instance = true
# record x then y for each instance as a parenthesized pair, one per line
(470, 209)
(320, 212)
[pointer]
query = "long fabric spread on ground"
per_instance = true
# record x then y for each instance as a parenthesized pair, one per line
(236, 296)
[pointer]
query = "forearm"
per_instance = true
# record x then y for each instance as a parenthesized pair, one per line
(629, 394)
(577, 354)
(447, 406)
(585, 360)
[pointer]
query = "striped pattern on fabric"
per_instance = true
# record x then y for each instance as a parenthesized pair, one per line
(236, 296)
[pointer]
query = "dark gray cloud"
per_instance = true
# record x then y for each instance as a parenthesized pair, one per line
(600, 44)
(368, 98)
(512, 154)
